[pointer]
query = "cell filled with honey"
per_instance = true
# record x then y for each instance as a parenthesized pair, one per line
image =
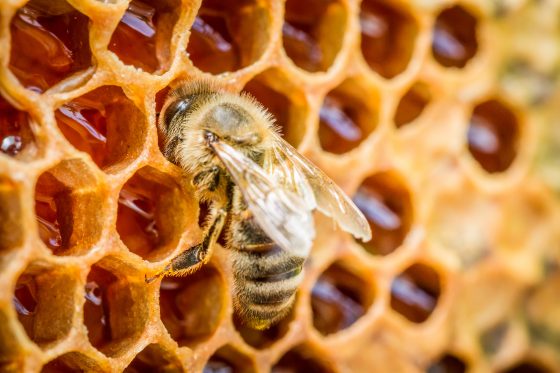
(15, 131)
(53, 40)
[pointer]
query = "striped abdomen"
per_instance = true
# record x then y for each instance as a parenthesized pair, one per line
(266, 276)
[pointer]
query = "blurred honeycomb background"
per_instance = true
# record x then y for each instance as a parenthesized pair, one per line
(441, 118)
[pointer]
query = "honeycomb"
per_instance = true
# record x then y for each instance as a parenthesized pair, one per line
(440, 118)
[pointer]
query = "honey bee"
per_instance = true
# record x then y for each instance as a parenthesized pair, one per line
(261, 193)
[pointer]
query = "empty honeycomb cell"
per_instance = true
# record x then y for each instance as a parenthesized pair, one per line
(44, 302)
(348, 115)
(144, 222)
(227, 36)
(303, 358)
(454, 40)
(115, 309)
(192, 307)
(154, 358)
(527, 367)
(287, 106)
(229, 360)
(11, 229)
(387, 205)
(493, 135)
(415, 292)
(412, 104)
(313, 32)
(542, 307)
(105, 124)
(142, 37)
(15, 133)
(388, 36)
(338, 299)
(69, 208)
(52, 43)
(492, 339)
(448, 364)
(71, 362)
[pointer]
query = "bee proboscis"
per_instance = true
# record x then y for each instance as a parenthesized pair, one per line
(261, 192)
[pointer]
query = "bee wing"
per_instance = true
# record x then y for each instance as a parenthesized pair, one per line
(277, 210)
(329, 198)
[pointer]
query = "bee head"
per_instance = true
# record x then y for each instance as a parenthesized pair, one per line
(233, 124)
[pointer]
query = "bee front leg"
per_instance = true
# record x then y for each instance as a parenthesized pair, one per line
(196, 256)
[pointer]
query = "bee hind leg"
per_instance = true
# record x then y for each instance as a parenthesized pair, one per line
(196, 256)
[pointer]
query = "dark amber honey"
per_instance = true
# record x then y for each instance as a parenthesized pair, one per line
(15, 133)
(493, 136)
(53, 43)
(25, 302)
(448, 364)
(96, 306)
(412, 104)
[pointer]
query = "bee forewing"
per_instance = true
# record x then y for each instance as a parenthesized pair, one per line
(280, 213)
(330, 199)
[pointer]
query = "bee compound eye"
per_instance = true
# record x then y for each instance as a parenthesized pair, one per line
(178, 107)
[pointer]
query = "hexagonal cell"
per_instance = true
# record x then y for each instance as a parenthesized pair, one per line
(12, 227)
(53, 43)
(412, 104)
(448, 364)
(105, 124)
(541, 312)
(348, 115)
(192, 307)
(144, 223)
(313, 32)
(339, 298)
(229, 360)
(227, 36)
(154, 358)
(492, 339)
(386, 203)
(69, 206)
(454, 40)
(44, 301)
(388, 36)
(115, 311)
(284, 101)
(15, 133)
(142, 37)
(303, 358)
(527, 367)
(71, 362)
(493, 136)
(415, 292)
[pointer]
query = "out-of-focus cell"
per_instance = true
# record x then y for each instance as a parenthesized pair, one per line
(312, 33)
(493, 136)
(191, 308)
(263, 338)
(15, 133)
(302, 359)
(52, 43)
(105, 124)
(229, 360)
(415, 293)
(288, 113)
(388, 36)
(143, 35)
(448, 364)
(347, 117)
(227, 36)
(386, 203)
(154, 358)
(144, 223)
(115, 311)
(527, 367)
(338, 299)
(412, 104)
(454, 40)
(492, 340)
(44, 302)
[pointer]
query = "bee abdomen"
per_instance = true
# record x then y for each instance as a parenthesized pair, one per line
(266, 283)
